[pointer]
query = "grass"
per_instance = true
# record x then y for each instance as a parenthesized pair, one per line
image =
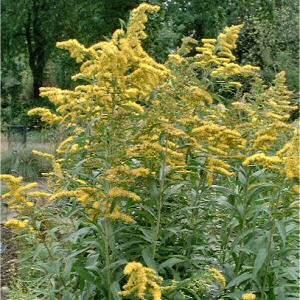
(20, 161)
(20, 292)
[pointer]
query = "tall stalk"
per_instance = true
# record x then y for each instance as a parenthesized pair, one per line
(195, 212)
(160, 200)
(107, 258)
(270, 240)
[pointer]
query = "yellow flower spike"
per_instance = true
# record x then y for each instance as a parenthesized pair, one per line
(63, 143)
(16, 224)
(219, 276)
(43, 154)
(28, 186)
(63, 194)
(77, 50)
(175, 58)
(39, 194)
(29, 204)
(134, 106)
(74, 148)
(249, 296)
(142, 280)
(270, 162)
(45, 114)
(11, 179)
(119, 192)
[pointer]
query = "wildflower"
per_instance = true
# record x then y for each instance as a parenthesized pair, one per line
(46, 115)
(249, 296)
(16, 224)
(219, 276)
(142, 279)
(43, 154)
(17, 192)
(236, 84)
(134, 106)
(63, 143)
(77, 50)
(74, 148)
(175, 58)
(63, 194)
(119, 192)
(270, 162)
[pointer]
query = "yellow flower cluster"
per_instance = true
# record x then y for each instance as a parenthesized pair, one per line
(121, 174)
(291, 157)
(135, 109)
(17, 193)
(45, 114)
(270, 162)
(44, 154)
(249, 296)
(118, 70)
(142, 280)
(97, 203)
(219, 276)
(215, 164)
(218, 52)
(266, 129)
(20, 201)
(16, 224)
(119, 192)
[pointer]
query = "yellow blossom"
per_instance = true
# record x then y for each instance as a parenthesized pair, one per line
(119, 192)
(249, 296)
(142, 280)
(219, 276)
(16, 224)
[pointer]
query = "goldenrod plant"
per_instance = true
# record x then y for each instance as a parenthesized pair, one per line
(192, 193)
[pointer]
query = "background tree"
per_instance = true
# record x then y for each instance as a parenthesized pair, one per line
(30, 29)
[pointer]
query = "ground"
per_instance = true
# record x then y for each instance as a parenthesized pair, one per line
(8, 256)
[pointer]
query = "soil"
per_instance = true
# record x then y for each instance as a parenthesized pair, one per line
(8, 256)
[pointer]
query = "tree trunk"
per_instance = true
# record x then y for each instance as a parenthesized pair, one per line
(36, 49)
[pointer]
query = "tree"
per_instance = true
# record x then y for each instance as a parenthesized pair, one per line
(31, 29)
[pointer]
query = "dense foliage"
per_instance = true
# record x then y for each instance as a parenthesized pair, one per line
(174, 181)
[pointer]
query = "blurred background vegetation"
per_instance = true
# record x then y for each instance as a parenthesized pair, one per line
(30, 29)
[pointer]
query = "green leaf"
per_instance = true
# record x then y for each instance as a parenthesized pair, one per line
(259, 260)
(242, 177)
(253, 193)
(148, 259)
(115, 289)
(222, 189)
(74, 236)
(238, 280)
(282, 232)
(67, 296)
(89, 126)
(170, 262)
(172, 190)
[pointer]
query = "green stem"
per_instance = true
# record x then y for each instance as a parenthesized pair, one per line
(107, 258)
(53, 259)
(195, 212)
(245, 204)
(268, 259)
(160, 202)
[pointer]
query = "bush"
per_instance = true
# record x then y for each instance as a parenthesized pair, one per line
(188, 170)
